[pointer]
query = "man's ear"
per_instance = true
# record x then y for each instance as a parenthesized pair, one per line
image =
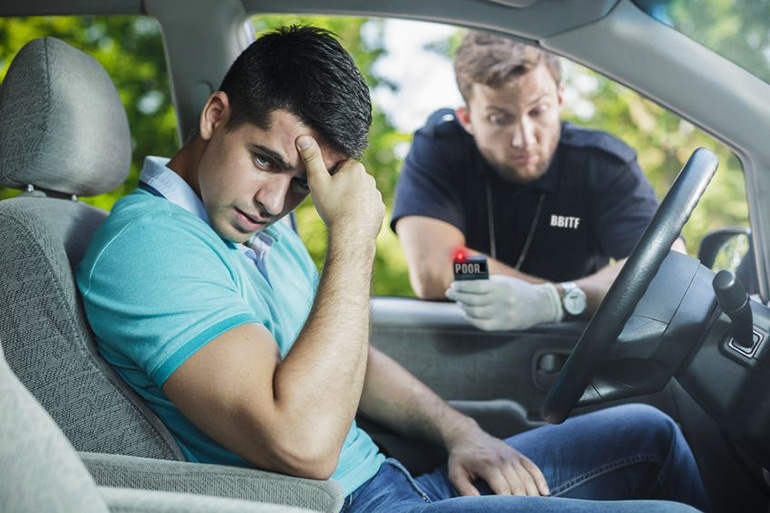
(560, 96)
(214, 114)
(463, 114)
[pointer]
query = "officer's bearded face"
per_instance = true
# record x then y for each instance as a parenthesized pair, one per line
(516, 127)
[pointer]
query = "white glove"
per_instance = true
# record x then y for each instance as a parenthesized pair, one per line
(506, 303)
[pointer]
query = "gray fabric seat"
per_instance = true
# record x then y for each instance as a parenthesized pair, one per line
(64, 132)
(42, 472)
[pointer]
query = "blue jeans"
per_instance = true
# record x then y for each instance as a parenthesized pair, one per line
(627, 452)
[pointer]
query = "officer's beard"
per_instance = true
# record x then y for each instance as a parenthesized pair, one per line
(519, 176)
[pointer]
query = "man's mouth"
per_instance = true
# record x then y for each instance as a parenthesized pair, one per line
(250, 222)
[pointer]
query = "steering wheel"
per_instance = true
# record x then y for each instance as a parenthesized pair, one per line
(627, 290)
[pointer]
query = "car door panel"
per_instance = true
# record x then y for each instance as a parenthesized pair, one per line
(460, 362)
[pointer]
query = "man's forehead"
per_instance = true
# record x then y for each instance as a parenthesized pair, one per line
(522, 89)
(280, 138)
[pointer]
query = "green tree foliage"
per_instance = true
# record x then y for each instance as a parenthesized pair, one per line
(736, 29)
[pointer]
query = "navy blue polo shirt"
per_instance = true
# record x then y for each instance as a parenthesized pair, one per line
(596, 202)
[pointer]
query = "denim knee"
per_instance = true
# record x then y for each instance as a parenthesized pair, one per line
(655, 422)
(644, 427)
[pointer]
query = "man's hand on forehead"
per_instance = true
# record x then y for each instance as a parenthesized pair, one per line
(336, 167)
(330, 159)
(311, 156)
(347, 197)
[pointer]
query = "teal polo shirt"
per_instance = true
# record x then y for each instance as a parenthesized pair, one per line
(158, 284)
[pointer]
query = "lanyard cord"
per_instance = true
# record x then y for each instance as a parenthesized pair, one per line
(531, 234)
(491, 222)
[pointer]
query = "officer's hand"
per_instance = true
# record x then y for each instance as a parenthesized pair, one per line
(348, 201)
(506, 303)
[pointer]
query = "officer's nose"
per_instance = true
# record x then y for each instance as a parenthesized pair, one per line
(523, 134)
(271, 197)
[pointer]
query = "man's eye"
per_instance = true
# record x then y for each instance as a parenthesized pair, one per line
(539, 111)
(262, 162)
(301, 184)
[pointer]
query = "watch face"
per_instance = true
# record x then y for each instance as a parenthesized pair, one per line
(574, 302)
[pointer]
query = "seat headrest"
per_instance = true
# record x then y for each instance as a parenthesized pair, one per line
(62, 124)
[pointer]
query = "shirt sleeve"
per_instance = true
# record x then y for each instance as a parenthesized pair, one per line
(626, 204)
(160, 290)
(428, 185)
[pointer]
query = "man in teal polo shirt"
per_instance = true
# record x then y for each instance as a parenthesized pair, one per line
(211, 309)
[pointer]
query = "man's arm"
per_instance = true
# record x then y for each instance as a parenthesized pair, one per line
(398, 400)
(430, 245)
(507, 303)
(596, 285)
(292, 415)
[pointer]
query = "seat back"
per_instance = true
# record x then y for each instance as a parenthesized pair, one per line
(41, 470)
(63, 132)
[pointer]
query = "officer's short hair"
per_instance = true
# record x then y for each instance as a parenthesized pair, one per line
(492, 60)
(305, 71)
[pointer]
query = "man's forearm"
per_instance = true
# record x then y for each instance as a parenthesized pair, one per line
(322, 377)
(498, 267)
(596, 285)
(396, 399)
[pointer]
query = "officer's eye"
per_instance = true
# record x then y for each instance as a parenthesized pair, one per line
(498, 119)
(301, 184)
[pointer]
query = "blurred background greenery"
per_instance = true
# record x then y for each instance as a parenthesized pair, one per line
(130, 49)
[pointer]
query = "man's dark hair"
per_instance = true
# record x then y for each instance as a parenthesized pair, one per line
(489, 59)
(305, 71)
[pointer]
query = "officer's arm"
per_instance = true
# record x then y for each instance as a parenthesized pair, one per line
(430, 245)
(596, 285)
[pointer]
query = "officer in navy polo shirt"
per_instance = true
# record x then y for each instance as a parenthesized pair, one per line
(548, 202)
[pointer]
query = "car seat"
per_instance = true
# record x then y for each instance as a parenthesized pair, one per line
(64, 134)
(42, 471)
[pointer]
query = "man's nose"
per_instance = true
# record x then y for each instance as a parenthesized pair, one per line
(523, 134)
(272, 196)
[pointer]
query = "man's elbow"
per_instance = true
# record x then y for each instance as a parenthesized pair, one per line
(310, 461)
(302, 452)
(322, 469)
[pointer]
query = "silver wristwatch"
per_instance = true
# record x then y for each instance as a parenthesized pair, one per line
(573, 301)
